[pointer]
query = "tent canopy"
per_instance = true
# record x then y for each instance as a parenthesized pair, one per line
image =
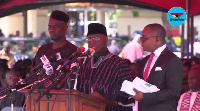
(8, 7)
(192, 7)
(168, 4)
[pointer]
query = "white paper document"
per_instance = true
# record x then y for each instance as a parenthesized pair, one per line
(139, 84)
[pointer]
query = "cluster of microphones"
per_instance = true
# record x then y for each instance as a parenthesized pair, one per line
(54, 70)
(56, 61)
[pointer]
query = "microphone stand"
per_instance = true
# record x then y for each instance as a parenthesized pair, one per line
(55, 82)
(12, 97)
(42, 81)
(35, 84)
(49, 95)
(39, 93)
(63, 80)
(75, 84)
(69, 88)
(77, 70)
(69, 93)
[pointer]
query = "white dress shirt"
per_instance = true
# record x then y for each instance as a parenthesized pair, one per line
(157, 53)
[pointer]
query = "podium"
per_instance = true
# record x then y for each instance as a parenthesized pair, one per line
(79, 101)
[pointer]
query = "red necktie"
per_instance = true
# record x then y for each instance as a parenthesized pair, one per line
(148, 66)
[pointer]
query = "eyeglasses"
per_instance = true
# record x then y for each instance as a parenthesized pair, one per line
(94, 38)
(145, 38)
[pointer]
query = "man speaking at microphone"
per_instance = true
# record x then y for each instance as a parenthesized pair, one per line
(102, 74)
(57, 27)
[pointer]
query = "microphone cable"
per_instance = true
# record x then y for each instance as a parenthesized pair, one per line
(55, 100)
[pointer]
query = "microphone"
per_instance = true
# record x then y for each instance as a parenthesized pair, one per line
(49, 68)
(54, 80)
(57, 57)
(78, 52)
(88, 52)
(74, 55)
(92, 51)
(32, 77)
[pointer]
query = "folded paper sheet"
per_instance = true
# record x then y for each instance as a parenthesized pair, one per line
(138, 84)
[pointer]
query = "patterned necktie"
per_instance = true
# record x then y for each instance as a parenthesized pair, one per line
(148, 66)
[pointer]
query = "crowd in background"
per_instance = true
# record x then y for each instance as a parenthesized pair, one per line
(132, 51)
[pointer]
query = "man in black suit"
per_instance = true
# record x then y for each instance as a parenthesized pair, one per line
(16, 98)
(162, 68)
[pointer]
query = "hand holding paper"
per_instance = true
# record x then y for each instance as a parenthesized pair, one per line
(138, 84)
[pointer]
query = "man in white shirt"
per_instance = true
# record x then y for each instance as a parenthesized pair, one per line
(190, 101)
(162, 68)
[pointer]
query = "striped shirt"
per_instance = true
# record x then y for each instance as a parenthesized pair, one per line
(105, 76)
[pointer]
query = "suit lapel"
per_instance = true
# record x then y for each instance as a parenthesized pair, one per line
(158, 63)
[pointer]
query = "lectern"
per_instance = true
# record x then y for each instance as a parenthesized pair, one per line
(79, 101)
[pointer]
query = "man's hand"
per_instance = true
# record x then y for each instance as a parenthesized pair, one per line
(138, 95)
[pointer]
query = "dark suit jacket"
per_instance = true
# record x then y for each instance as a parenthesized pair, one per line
(18, 99)
(168, 80)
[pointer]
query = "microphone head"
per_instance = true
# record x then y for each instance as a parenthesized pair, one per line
(86, 53)
(81, 48)
(92, 51)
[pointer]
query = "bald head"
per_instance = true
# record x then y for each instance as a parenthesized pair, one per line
(158, 30)
(6, 43)
(113, 42)
(6, 46)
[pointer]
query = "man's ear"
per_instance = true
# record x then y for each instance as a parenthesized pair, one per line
(106, 40)
(158, 39)
(66, 27)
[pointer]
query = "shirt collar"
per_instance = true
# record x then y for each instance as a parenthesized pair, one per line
(158, 51)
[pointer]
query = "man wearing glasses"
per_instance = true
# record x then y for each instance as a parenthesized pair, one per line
(161, 68)
(103, 73)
